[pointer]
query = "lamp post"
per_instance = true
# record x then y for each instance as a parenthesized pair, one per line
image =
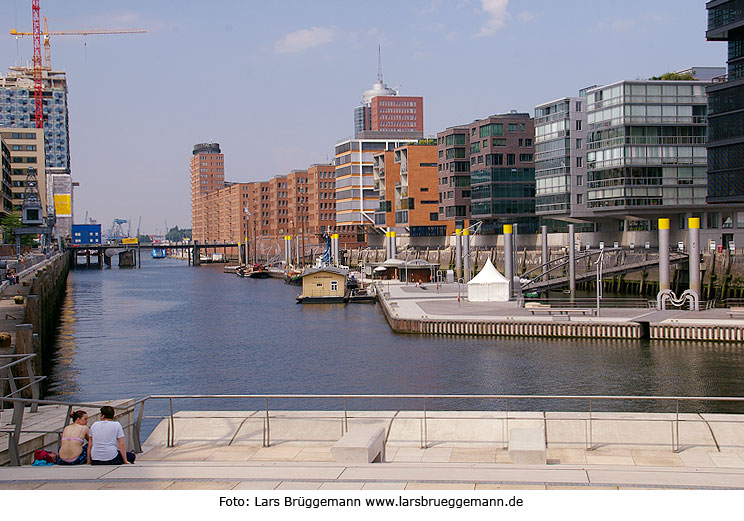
(599, 277)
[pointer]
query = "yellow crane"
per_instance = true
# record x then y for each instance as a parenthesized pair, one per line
(47, 33)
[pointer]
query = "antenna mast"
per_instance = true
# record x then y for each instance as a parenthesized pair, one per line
(379, 64)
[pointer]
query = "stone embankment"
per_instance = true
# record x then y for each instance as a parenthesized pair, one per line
(29, 309)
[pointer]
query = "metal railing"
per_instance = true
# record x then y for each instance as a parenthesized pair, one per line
(589, 417)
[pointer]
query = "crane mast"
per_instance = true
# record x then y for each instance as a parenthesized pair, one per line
(39, 104)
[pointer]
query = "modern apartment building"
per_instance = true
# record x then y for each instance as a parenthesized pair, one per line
(17, 110)
(321, 199)
(453, 169)
(6, 207)
(560, 159)
(726, 106)
(356, 196)
(646, 154)
(407, 183)
(26, 151)
(502, 172)
(487, 173)
(207, 175)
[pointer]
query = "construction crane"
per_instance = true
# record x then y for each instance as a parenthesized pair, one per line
(46, 33)
(36, 34)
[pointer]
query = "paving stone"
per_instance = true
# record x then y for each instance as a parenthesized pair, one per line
(340, 485)
(315, 454)
(464, 455)
(507, 486)
(408, 454)
(656, 458)
(203, 485)
(136, 485)
(696, 459)
(277, 453)
(440, 486)
(436, 455)
(567, 456)
(72, 485)
(298, 485)
(232, 454)
(256, 485)
(727, 459)
(20, 485)
(383, 485)
(609, 457)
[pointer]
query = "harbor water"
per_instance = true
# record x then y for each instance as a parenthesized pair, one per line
(173, 329)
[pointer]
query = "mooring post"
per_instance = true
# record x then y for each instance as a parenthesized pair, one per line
(466, 253)
(693, 229)
(387, 245)
(544, 233)
(458, 253)
(664, 278)
(139, 255)
(508, 258)
(571, 259)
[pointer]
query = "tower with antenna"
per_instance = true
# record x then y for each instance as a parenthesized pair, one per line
(382, 109)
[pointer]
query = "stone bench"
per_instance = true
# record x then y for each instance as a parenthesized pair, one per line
(362, 444)
(527, 447)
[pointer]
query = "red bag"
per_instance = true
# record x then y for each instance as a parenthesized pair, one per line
(49, 457)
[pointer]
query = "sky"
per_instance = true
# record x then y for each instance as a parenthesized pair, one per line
(275, 83)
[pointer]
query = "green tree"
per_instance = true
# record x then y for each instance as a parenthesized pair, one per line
(9, 223)
(674, 76)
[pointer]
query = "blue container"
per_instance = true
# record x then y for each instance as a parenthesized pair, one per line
(86, 234)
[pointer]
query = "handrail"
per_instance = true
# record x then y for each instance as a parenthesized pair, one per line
(265, 415)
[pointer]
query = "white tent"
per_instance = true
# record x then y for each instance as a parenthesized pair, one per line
(488, 286)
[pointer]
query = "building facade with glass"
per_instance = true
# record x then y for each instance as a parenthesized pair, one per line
(646, 154)
(560, 159)
(726, 106)
(502, 172)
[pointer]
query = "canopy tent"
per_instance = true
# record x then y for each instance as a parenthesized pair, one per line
(488, 286)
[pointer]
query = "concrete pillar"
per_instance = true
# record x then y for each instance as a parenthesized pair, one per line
(571, 259)
(387, 245)
(693, 245)
(393, 246)
(287, 250)
(664, 278)
(509, 257)
(334, 249)
(458, 253)
(466, 253)
(544, 233)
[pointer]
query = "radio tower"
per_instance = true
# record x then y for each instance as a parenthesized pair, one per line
(37, 64)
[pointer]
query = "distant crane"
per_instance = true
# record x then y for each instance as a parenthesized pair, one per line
(116, 233)
(139, 223)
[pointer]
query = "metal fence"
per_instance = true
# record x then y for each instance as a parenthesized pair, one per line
(585, 413)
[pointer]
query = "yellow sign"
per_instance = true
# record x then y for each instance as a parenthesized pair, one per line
(63, 205)
(129, 240)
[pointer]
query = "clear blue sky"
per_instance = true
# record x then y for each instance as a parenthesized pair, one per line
(275, 83)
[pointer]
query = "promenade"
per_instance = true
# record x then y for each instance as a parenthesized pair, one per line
(464, 450)
(445, 309)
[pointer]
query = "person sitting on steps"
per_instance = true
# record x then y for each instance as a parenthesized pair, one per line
(74, 447)
(107, 445)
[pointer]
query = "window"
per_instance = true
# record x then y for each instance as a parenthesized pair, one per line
(521, 127)
(528, 142)
(480, 159)
(578, 124)
(579, 162)
(499, 142)
(579, 198)
(579, 180)
(525, 157)
(334, 285)
(424, 189)
(712, 220)
(472, 131)
(510, 159)
(513, 127)
(578, 143)
(578, 106)
(521, 142)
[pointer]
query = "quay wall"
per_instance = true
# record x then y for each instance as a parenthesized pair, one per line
(506, 327)
(33, 328)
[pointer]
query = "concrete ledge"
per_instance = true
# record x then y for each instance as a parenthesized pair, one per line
(362, 444)
(527, 447)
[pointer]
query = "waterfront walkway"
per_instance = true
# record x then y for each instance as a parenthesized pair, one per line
(464, 450)
(445, 309)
